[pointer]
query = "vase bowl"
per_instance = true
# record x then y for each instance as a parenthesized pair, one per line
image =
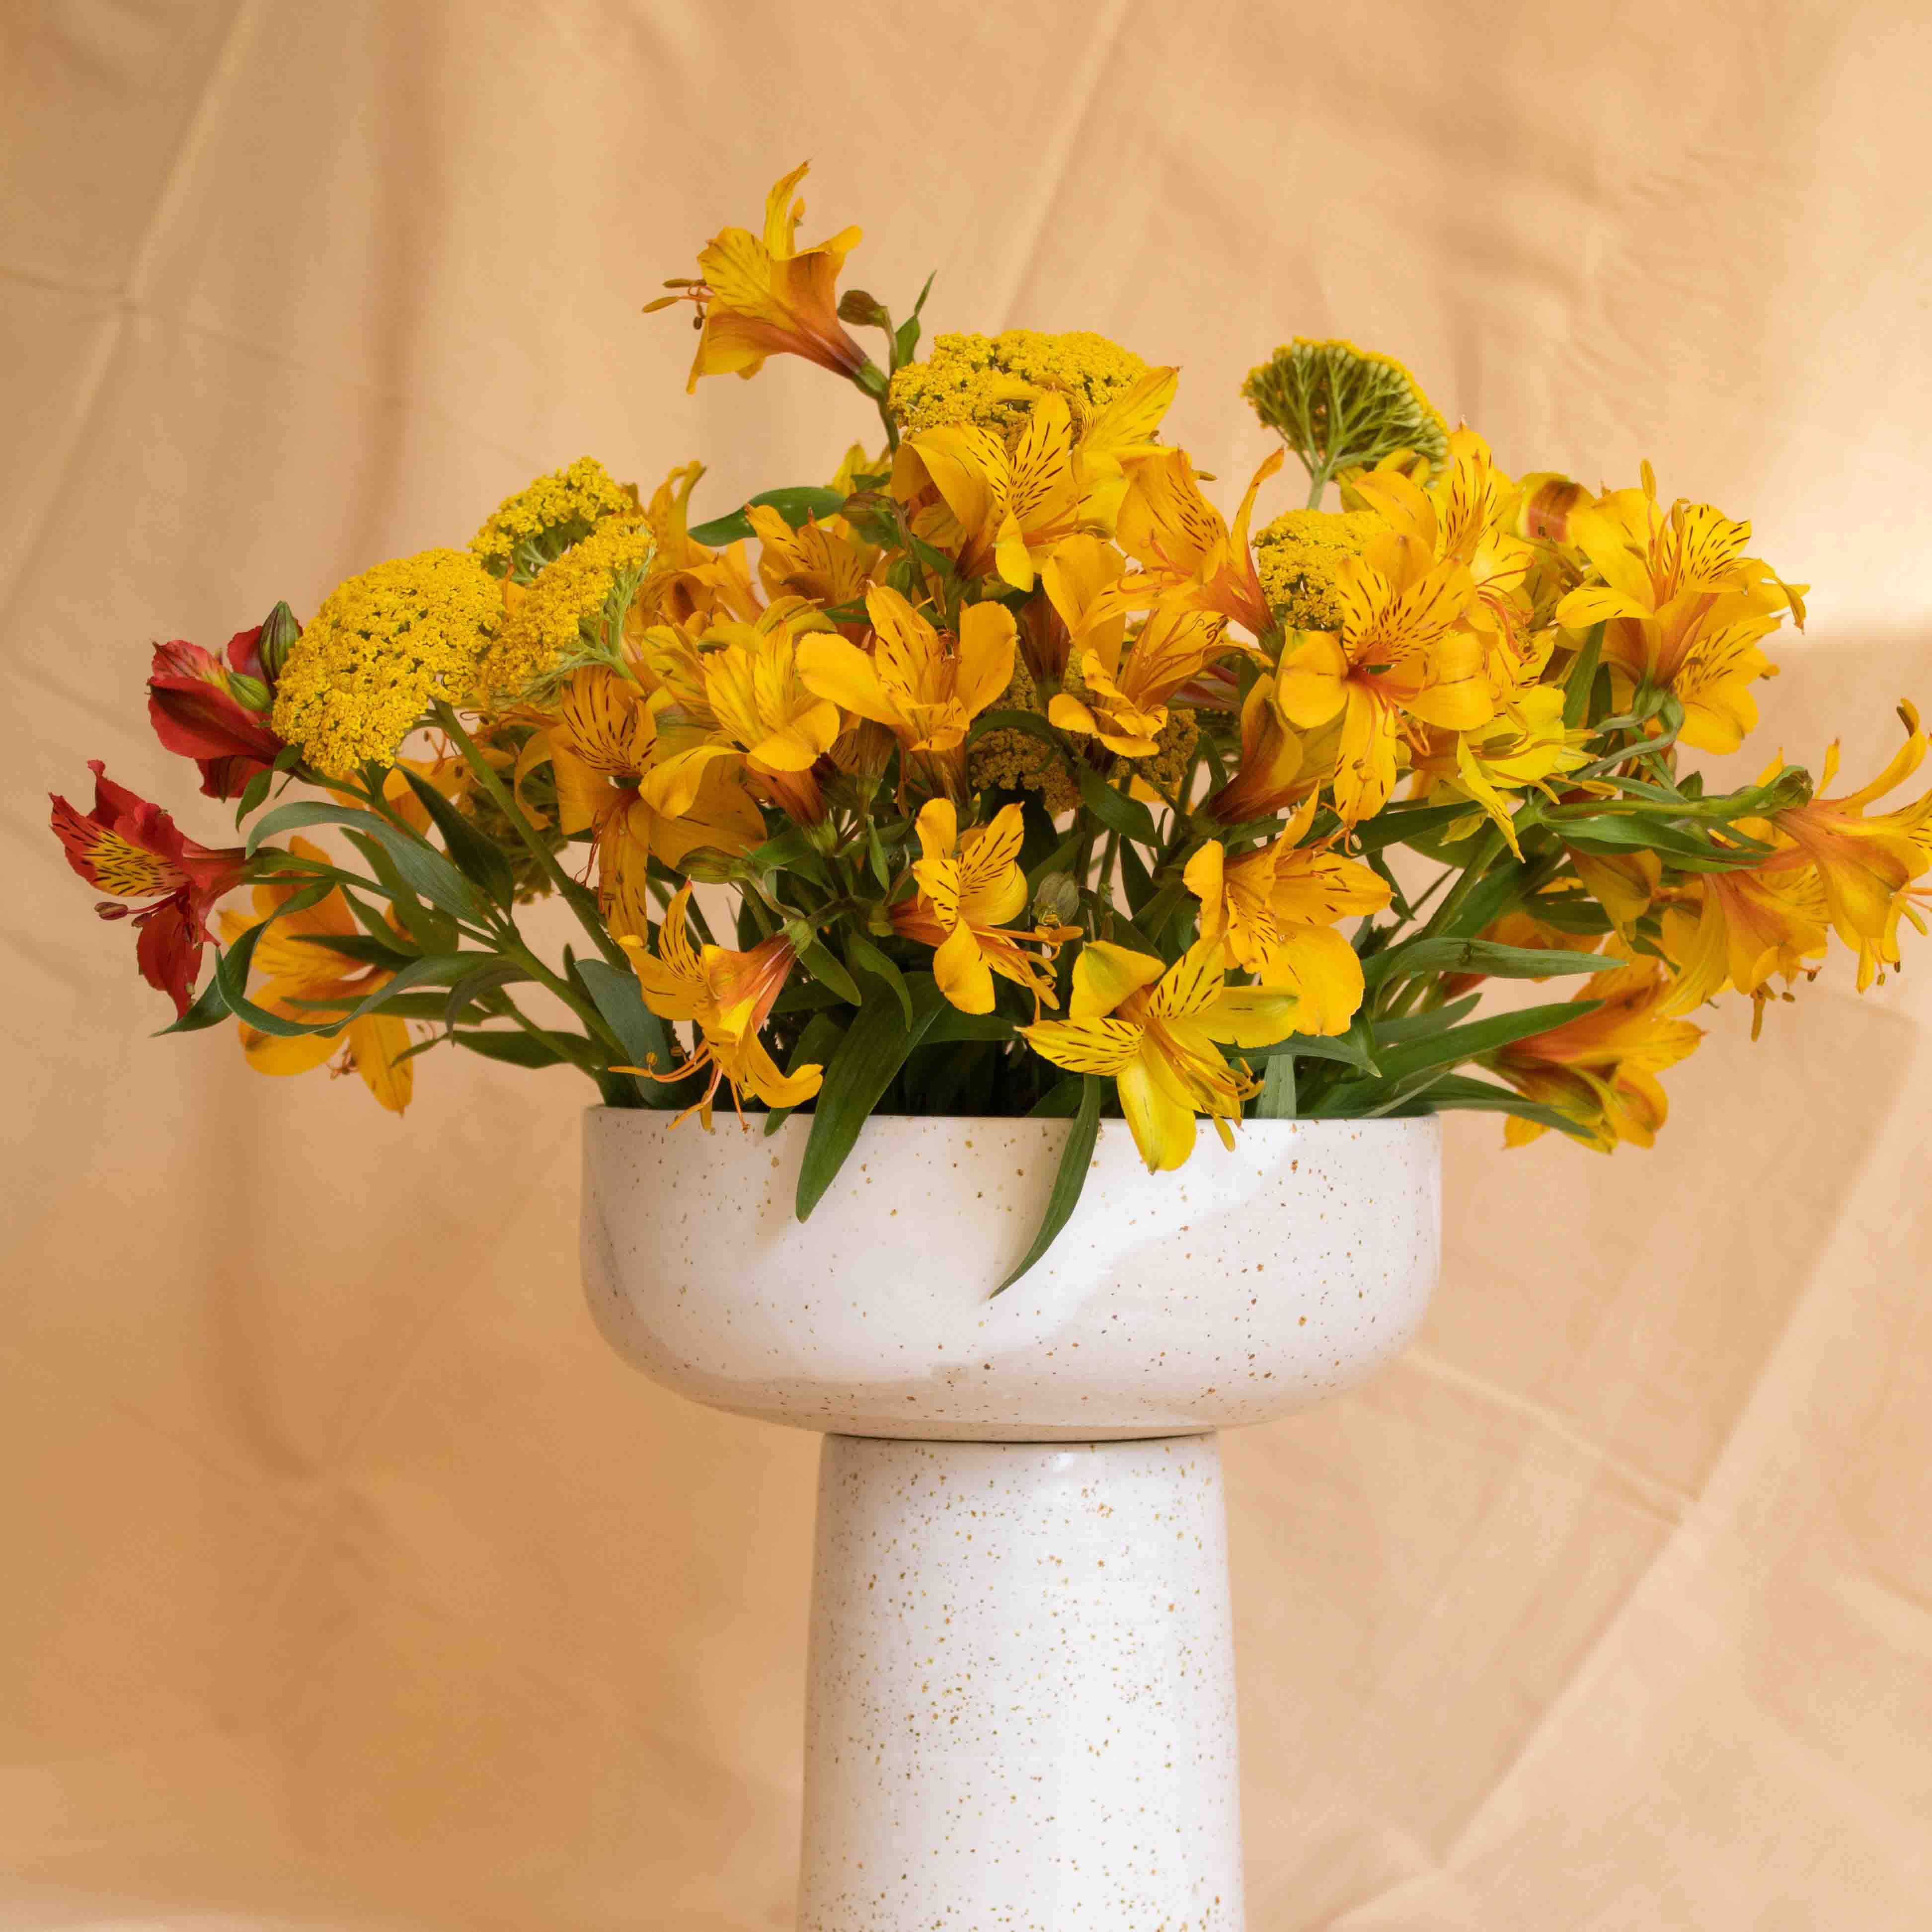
(1246, 1285)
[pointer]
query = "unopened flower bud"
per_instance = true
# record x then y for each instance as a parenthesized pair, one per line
(862, 310)
(710, 867)
(279, 632)
(1058, 900)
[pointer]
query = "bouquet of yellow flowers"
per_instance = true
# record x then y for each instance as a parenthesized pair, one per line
(1002, 774)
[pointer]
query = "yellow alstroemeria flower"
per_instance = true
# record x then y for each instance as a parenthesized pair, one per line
(1123, 702)
(1520, 750)
(1403, 653)
(763, 295)
(1006, 512)
(824, 563)
(727, 997)
(601, 740)
(1273, 773)
(1624, 884)
(736, 693)
(969, 889)
(1865, 865)
(925, 686)
(294, 969)
(1682, 605)
(1275, 909)
(1601, 1069)
(1467, 515)
(1740, 929)
(1157, 1030)
(1190, 559)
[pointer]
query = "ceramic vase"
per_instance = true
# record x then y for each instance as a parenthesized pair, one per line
(1020, 1709)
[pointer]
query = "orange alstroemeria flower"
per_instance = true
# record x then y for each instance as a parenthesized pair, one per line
(1601, 1069)
(304, 978)
(763, 295)
(1865, 865)
(727, 996)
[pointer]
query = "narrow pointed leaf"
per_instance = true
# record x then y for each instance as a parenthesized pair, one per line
(1076, 1157)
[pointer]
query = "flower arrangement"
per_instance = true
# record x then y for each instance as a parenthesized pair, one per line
(1006, 775)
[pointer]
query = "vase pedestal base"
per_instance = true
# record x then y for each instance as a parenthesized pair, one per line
(1021, 1694)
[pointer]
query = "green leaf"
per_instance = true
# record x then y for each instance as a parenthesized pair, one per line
(873, 1050)
(1686, 850)
(823, 964)
(1138, 879)
(787, 849)
(1352, 1048)
(1061, 1101)
(1401, 1064)
(513, 1049)
(1076, 1157)
(253, 793)
(212, 1007)
(1114, 809)
(952, 1026)
(1275, 1101)
(472, 987)
(1581, 679)
(644, 1037)
(797, 504)
(1431, 956)
(365, 948)
(479, 859)
(1395, 823)
(1455, 1094)
(447, 970)
(863, 956)
(231, 971)
(1420, 1026)
(803, 996)
(417, 862)
(816, 1046)
(875, 856)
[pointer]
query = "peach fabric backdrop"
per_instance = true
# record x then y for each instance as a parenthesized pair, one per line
(347, 1580)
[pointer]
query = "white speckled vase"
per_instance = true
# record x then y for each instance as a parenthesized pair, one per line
(1021, 1709)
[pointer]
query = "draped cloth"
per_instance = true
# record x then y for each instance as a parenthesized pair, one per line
(348, 1579)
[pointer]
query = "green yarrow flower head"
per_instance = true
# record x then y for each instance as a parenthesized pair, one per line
(382, 648)
(1339, 407)
(1297, 556)
(995, 380)
(571, 614)
(545, 519)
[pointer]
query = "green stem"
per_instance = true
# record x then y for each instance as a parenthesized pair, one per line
(579, 901)
(513, 948)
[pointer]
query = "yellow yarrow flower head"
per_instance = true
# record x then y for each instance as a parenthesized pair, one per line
(381, 648)
(1299, 557)
(995, 380)
(572, 615)
(545, 519)
(1339, 407)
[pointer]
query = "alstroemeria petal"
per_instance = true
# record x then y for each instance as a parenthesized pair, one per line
(1085, 1045)
(1105, 974)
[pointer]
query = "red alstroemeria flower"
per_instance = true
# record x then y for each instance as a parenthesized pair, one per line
(197, 706)
(132, 849)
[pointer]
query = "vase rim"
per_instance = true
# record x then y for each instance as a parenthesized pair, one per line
(1299, 1124)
